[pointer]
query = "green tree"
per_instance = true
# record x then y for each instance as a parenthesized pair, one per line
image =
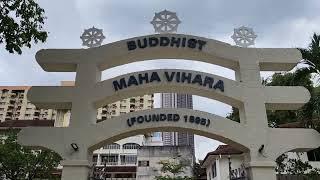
(198, 171)
(18, 162)
(311, 55)
(304, 114)
(21, 23)
(172, 169)
(296, 167)
(234, 115)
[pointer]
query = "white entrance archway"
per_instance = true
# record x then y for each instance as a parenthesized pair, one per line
(246, 93)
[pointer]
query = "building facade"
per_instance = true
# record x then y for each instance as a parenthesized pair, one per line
(173, 100)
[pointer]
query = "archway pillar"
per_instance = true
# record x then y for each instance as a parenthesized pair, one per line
(253, 111)
(261, 170)
(83, 112)
(75, 170)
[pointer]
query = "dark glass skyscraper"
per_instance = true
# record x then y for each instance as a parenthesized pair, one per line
(173, 100)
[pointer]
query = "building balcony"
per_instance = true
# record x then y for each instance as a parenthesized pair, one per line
(12, 102)
(8, 118)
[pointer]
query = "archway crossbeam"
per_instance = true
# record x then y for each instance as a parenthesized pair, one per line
(168, 80)
(212, 51)
(208, 125)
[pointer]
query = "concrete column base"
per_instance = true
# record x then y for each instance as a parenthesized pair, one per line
(75, 170)
(264, 170)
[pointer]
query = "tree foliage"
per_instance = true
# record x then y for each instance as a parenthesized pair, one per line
(296, 167)
(21, 24)
(172, 169)
(198, 171)
(311, 55)
(304, 114)
(18, 162)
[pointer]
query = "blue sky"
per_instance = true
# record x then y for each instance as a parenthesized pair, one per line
(286, 23)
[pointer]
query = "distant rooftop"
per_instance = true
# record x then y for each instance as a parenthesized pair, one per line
(222, 150)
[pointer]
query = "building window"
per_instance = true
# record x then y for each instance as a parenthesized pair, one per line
(132, 100)
(156, 134)
(110, 159)
(95, 159)
(143, 163)
(214, 170)
(314, 155)
(130, 146)
(128, 159)
(112, 146)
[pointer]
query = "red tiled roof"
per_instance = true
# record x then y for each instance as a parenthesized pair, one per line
(26, 123)
(222, 150)
(225, 150)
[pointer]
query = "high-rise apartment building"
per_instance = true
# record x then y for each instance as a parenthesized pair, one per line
(15, 106)
(173, 100)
